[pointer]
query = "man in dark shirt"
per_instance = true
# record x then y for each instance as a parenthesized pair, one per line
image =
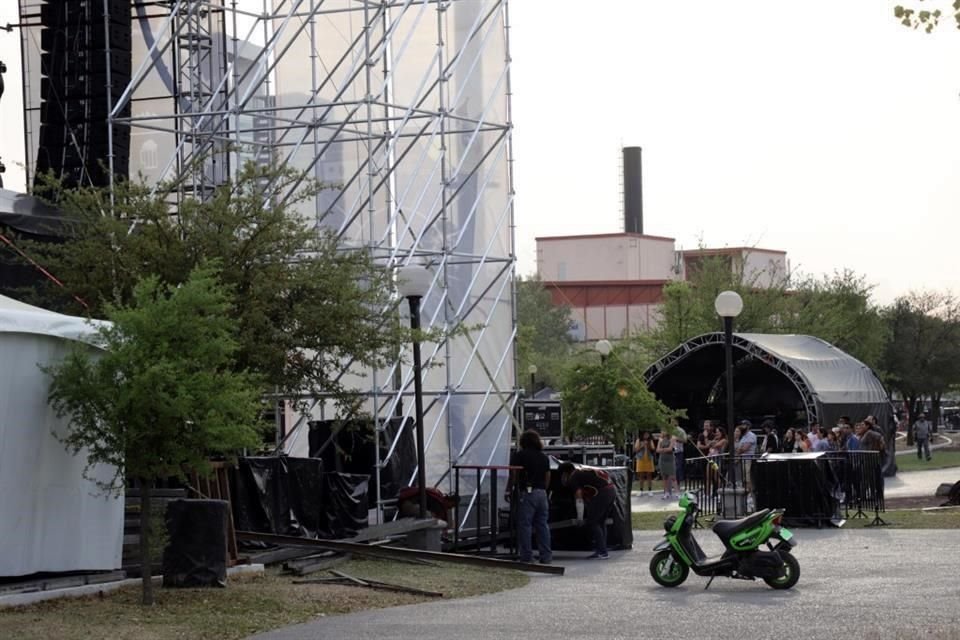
(771, 441)
(533, 508)
(594, 486)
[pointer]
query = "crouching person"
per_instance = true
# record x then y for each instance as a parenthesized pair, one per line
(594, 495)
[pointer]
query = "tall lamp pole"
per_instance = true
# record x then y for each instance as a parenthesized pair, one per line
(603, 347)
(414, 282)
(729, 304)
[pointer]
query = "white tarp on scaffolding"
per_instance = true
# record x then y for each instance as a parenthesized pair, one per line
(51, 517)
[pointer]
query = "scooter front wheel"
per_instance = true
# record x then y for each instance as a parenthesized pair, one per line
(667, 570)
(791, 573)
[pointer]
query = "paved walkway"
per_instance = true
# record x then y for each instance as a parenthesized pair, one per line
(853, 584)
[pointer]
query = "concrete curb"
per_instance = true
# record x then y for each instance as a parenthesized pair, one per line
(23, 599)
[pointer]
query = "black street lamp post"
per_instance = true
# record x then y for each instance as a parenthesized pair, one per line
(729, 304)
(414, 283)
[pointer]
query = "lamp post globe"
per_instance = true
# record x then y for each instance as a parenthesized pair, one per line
(603, 347)
(728, 304)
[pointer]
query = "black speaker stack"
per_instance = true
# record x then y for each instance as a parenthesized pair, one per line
(79, 87)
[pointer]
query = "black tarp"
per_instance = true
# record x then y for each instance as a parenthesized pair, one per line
(30, 215)
(24, 217)
(295, 497)
(772, 376)
(349, 448)
(346, 503)
(563, 507)
(807, 486)
(196, 551)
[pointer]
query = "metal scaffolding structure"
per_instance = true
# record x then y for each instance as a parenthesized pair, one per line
(403, 106)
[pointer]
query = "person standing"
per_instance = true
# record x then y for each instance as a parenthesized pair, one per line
(679, 459)
(771, 441)
(533, 509)
(643, 450)
(594, 495)
(746, 450)
(921, 435)
(667, 464)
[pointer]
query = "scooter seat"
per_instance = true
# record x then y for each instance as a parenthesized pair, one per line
(726, 529)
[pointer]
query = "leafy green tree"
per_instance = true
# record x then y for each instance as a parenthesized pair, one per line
(543, 332)
(609, 398)
(921, 358)
(836, 308)
(304, 305)
(164, 395)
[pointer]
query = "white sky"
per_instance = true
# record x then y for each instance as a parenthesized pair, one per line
(822, 128)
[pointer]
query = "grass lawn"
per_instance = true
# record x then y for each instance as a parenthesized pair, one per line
(250, 604)
(941, 459)
(897, 518)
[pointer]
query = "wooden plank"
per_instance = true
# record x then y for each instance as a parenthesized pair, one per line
(397, 527)
(276, 556)
(395, 552)
(323, 564)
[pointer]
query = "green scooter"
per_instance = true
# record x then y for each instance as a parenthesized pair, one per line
(742, 558)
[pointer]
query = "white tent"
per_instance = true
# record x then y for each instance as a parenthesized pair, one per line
(51, 517)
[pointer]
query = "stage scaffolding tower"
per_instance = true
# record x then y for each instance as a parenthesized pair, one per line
(403, 108)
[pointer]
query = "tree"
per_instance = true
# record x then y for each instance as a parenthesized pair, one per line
(688, 309)
(543, 332)
(305, 306)
(836, 308)
(164, 395)
(922, 356)
(610, 398)
(915, 18)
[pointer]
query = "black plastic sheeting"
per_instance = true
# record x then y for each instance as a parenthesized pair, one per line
(808, 490)
(563, 507)
(30, 215)
(349, 448)
(196, 551)
(295, 497)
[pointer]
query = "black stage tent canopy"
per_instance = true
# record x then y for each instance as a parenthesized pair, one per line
(792, 379)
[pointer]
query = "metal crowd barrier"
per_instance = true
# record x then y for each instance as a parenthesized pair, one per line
(813, 491)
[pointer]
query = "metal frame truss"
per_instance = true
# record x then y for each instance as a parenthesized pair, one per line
(404, 107)
(751, 349)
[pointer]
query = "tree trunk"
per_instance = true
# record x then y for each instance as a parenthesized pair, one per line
(913, 402)
(935, 411)
(146, 563)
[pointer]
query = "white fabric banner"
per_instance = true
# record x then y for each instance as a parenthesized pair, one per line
(51, 517)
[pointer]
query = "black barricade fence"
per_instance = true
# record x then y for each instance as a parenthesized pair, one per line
(812, 488)
(563, 507)
(293, 496)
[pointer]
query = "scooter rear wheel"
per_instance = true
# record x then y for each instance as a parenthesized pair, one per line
(791, 575)
(667, 570)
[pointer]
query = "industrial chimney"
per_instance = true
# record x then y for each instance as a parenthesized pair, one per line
(632, 190)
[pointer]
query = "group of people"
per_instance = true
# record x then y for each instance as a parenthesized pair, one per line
(665, 454)
(593, 494)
